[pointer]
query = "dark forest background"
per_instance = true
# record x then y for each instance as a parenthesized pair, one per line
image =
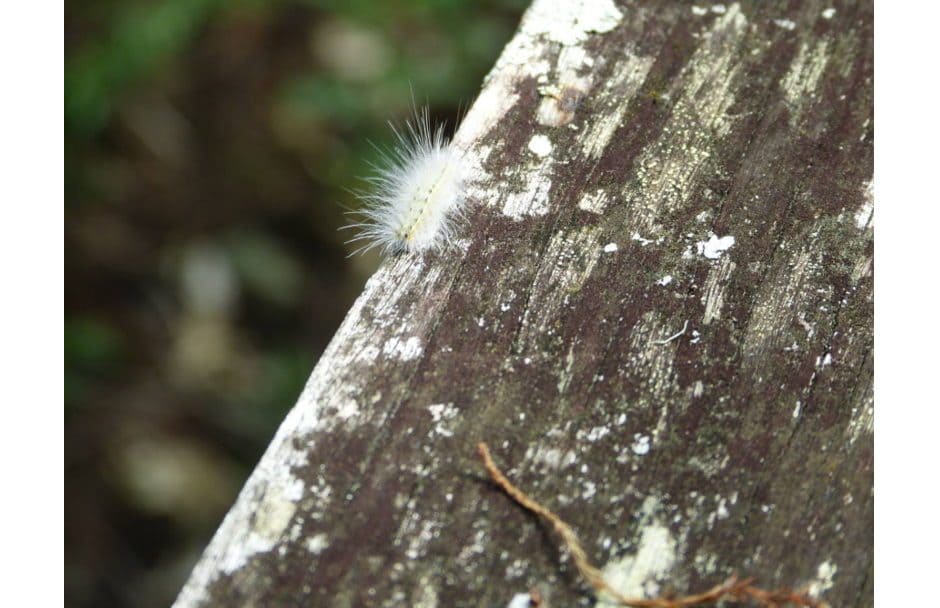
(210, 146)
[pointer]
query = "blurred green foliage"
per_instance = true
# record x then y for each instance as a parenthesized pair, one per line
(210, 150)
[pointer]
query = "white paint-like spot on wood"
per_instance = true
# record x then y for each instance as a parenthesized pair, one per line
(666, 280)
(540, 145)
(828, 13)
(520, 600)
(699, 11)
(610, 247)
(641, 444)
(570, 22)
(714, 246)
(785, 24)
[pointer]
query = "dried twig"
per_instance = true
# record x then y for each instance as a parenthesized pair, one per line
(733, 588)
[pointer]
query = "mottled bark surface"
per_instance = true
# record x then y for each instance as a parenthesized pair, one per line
(636, 169)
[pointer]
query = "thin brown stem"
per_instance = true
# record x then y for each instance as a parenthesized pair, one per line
(733, 588)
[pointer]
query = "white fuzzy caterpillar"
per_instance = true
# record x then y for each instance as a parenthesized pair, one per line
(417, 195)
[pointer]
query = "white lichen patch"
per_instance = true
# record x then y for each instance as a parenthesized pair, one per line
(540, 145)
(570, 22)
(610, 247)
(422, 533)
(272, 516)
(641, 444)
(471, 552)
(636, 575)
(346, 411)
(786, 24)
(711, 464)
(823, 581)
(706, 564)
(721, 509)
(550, 458)
(532, 198)
(714, 246)
(317, 543)
(594, 202)
(440, 414)
(593, 434)
(590, 489)
(516, 569)
(405, 349)
(828, 13)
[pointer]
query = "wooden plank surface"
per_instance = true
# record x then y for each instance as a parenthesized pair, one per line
(636, 169)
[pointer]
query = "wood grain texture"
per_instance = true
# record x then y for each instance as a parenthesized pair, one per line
(613, 151)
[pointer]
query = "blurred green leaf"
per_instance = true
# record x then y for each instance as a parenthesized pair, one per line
(141, 36)
(92, 349)
(91, 344)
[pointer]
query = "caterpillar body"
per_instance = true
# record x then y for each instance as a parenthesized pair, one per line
(416, 196)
